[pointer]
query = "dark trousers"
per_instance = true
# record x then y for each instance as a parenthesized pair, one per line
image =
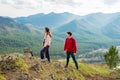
(73, 57)
(45, 53)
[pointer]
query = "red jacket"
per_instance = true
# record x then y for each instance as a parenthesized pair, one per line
(70, 45)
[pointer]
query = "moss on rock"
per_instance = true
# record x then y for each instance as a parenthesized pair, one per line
(20, 64)
(2, 77)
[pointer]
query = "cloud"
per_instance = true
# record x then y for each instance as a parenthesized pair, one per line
(35, 4)
(5, 2)
(20, 3)
(79, 7)
(110, 2)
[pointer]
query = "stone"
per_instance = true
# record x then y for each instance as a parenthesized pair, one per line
(28, 52)
(52, 76)
(37, 67)
(23, 76)
(69, 78)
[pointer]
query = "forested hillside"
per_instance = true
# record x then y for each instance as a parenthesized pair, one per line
(92, 32)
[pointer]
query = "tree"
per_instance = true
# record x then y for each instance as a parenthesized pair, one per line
(112, 57)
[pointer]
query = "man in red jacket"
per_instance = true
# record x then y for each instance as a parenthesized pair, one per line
(70, 49)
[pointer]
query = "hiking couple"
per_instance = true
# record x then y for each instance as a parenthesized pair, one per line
(69, 47)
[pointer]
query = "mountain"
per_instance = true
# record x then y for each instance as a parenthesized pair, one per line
(7, 25)
(92, 31)
(51, 19)
(15, 36)
(16, 66)
(96, 24)
(112, 29)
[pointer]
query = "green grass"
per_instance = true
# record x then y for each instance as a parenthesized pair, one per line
(57, 70)
(91, 70)
(2, 77)
(21, 64)
(85, 70)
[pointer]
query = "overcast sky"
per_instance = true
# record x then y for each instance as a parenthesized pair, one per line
(16, 8)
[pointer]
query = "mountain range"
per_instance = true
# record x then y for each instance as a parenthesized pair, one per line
(92, 31)
(96, 24)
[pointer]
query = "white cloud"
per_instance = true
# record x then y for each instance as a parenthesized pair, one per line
(15, 8)
(110, 2)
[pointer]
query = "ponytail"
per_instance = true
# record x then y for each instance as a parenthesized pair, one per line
(50, 34)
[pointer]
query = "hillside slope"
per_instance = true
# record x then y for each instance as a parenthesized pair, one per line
(95, 30)
(15, 36)
(22, 67)
(92, 32)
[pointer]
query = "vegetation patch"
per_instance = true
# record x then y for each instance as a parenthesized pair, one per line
(20, 64)
(2, 77)
(11, 64)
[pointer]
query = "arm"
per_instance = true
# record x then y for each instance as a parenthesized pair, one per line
(43, 43)
(65, 44)
(74, 46)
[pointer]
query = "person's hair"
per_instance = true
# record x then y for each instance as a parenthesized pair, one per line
(69, 33)
(48, 31)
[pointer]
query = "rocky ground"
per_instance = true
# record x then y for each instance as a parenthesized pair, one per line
(22, 67)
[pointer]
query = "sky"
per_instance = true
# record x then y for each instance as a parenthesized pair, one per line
(17, 8)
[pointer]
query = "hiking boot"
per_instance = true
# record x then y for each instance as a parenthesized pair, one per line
(77, 68)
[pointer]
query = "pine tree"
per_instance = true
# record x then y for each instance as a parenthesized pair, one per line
(112, 57)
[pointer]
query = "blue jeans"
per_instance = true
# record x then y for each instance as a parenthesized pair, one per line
(45, 53)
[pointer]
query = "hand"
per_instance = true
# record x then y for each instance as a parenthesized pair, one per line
(64, 51)
(74, 54)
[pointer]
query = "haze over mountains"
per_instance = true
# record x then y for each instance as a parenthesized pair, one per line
(97, 23)
(51, 19)
(92, 31)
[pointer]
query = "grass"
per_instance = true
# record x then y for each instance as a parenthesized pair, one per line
(101, 70)
(58, 71)
(19, 62)
(85, 70)
(91, 70)
(55, 70)
(2, 77)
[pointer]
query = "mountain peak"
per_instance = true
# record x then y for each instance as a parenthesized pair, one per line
(60, 13)
(51, 19)
(5, 19)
